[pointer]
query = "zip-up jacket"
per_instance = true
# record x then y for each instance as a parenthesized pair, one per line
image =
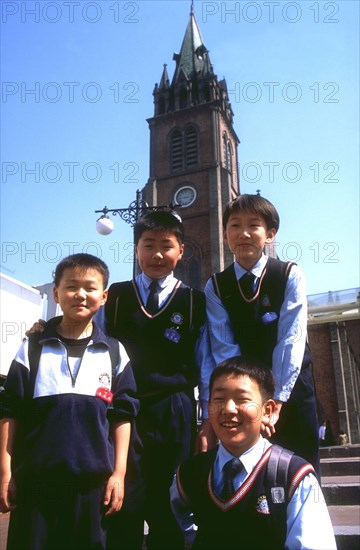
(66, 426)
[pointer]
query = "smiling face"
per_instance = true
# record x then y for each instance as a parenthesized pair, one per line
(158, 252)
(236, 410)
(80, 293)
(246, 235)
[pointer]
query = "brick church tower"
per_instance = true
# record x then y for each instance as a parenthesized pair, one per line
(193, 155)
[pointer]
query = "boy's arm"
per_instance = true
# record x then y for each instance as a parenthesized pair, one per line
(308, 522)
(206, 438)
(125, 407)
(182, 513)
(114, 493)
(221, 337)
(7, 484)
(292, 333)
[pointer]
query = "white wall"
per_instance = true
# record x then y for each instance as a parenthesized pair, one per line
(20, 306)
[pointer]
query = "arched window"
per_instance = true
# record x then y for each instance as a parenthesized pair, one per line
(176, 152)
(191, 147)
(227, 153)
(229, 158)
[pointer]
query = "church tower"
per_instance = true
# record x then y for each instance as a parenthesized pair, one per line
(193, 155)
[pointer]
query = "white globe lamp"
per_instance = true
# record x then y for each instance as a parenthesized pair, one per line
(104, 226)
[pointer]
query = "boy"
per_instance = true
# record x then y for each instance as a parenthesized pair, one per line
(70, 395)
(258, 307)
(158, 319)
(232, 506)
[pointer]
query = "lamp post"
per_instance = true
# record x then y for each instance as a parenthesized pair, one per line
(130, 215)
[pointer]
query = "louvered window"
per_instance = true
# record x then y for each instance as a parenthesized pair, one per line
(191, 147)
(176, 150)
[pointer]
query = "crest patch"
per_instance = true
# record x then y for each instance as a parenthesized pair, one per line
(104, 379)
(262, 505)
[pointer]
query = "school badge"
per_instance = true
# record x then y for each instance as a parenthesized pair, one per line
(104, 379)
(262, 505)
(177, 318)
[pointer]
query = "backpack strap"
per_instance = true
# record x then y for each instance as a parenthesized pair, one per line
(34, 352)
(276, 487)
(114, 356)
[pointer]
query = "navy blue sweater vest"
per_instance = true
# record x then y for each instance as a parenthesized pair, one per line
(161, 362)
(249, 318)
(247, 519)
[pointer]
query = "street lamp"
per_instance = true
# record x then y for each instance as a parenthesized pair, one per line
(130, 215)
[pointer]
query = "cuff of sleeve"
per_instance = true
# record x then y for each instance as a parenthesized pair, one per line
(282, 395)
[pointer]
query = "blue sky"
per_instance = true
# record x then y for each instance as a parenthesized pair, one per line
(77, 82)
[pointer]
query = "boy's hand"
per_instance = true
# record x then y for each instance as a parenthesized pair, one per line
(114, 494)
(7, 494)
(37, 327)
(206, 438)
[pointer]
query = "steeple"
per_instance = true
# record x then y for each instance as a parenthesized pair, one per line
(193, 155)
(193, 60)
(194, 81)
(164, 82)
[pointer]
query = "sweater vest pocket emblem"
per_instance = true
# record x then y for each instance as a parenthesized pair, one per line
(177, 318)
(269, 317)
(262, 505)
(172, 333)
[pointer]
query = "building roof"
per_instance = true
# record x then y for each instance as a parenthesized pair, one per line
(337, 306)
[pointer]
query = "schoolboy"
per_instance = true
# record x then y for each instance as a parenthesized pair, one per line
(160, 339)
(222, 499)
(258, 307)
(70, 393)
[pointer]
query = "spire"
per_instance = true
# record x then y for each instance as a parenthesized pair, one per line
(194, 81)
(193, 58)
(164, 82)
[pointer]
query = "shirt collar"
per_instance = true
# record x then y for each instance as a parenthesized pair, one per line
(249, 459)
(257, 269)
(146, 280)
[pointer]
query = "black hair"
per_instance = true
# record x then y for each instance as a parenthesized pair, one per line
(243, 366)
(159, 220)
(253, 203)
(84, 262)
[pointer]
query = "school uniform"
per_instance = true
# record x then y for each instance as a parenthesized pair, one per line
(63, 455)
(271, 326)
(161, 347)
(245, 519)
